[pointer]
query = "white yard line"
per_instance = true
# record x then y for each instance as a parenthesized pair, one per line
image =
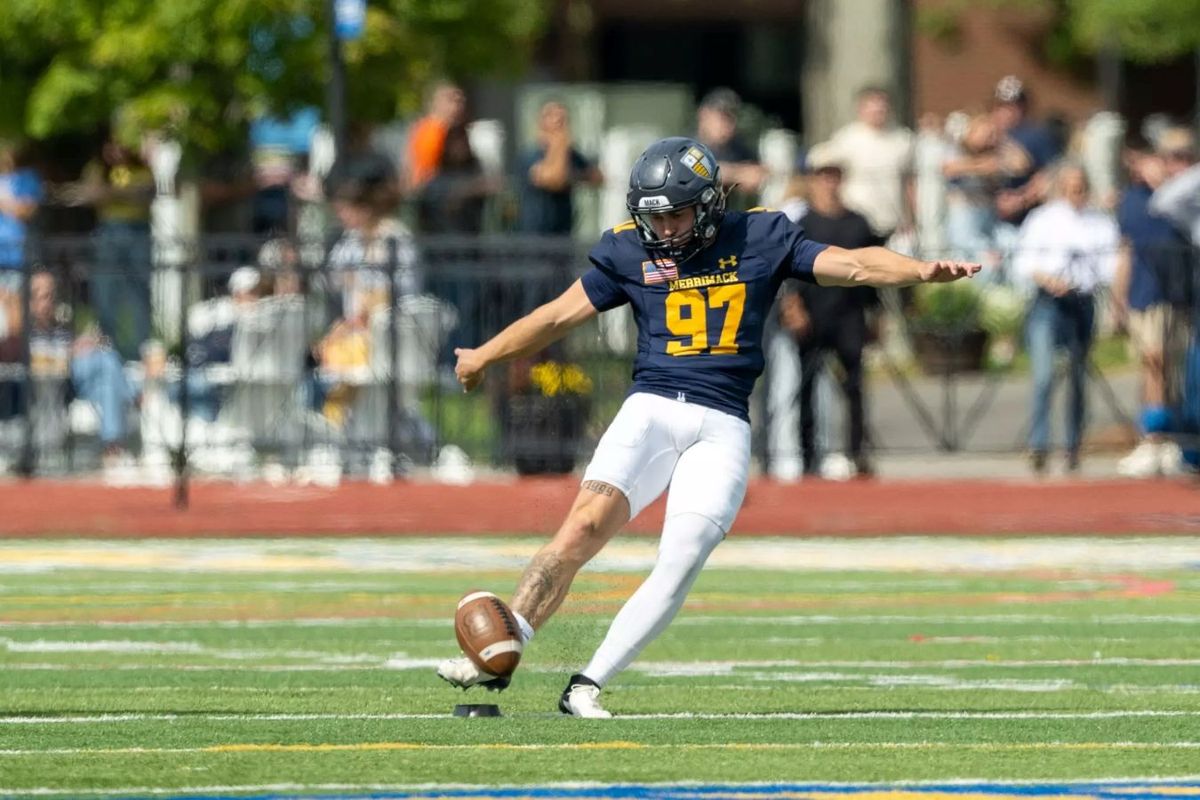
(727, 667)
(936, 619)
(1117, 689)
(685, 619)
(301, 622)
(400, 662)
(81, 719)
(225, 749)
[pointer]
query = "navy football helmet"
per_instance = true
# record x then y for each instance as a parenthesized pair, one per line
(672, 174)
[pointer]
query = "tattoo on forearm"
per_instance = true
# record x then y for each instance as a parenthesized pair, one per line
(599, 487)
(543, 587)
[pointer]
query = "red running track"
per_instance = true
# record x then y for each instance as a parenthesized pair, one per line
(60, 508)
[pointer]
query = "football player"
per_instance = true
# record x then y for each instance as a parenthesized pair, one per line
(701, 283)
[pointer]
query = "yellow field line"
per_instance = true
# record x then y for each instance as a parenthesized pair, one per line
(323, 748)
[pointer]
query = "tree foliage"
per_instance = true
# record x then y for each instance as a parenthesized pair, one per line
(201, 69)
(1147, 31)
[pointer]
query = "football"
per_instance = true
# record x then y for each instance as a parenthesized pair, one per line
(487, 633)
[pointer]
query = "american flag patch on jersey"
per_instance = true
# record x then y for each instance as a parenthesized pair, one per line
(658, 271)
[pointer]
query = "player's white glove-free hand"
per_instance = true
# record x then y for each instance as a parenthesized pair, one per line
(469, 368)
(947, 271)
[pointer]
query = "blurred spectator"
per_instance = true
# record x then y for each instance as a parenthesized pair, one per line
(211, 325)
(278, 255)
(878, 158)
(831, 319)
(985, 159)
(94, 370)
(716, 126)
(931, 149)
(226, 183)
(447, 108)
(280, 265)
(11, 385)
(372, 246)
(120, 187)
(794, 204)
(20, 196)
(366, 159)
(783, 367)
(278, 148)
(1068, 252)
(452, 201)
(1025, 189)
(256, 191)
(1153, 257)
(547, 173)
(275, 170)
(1178, 198)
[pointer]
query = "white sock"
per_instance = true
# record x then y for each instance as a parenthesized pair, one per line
(526, 629)
(687, 539)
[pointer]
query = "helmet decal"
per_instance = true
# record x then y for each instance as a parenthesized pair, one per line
(654, 201)
(698, 162)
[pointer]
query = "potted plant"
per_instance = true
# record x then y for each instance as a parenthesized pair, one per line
(945, 323)
(545, 416)
(1002, 315)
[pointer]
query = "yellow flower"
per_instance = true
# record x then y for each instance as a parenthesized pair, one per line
(576, 381)
(552, 379)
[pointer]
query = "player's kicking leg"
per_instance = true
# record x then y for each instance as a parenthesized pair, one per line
(631, 467)
(706, 492)
(597, 514)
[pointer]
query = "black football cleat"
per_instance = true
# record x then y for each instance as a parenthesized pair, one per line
(581, 698)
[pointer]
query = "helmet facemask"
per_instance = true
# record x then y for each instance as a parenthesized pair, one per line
(710, 209)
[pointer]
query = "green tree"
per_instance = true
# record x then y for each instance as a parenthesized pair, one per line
(1147, 31)
(201, 69)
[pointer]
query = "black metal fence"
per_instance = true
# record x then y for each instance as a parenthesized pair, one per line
(314, 361)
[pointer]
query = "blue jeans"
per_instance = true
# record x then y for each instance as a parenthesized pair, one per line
(99, 378)
(204, 396)
(969, 229)
(120, 282)
(1055, 322)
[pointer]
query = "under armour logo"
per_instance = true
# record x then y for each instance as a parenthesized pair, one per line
(726, 263)
(681, 397)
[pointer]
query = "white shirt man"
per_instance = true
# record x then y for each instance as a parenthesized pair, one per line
(1060, 241)
(878, 160)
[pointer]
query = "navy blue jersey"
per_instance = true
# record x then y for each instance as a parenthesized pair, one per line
(700, 325)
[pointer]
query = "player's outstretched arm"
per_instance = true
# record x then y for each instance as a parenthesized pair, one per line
(878, 266)
(544, 325)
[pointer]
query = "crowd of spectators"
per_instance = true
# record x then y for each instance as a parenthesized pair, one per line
(993, 184)
(1030, 200)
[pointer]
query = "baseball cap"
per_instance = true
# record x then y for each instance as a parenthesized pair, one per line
(823, 156)
(243, 279)
(1176, 141)
(1010, 89)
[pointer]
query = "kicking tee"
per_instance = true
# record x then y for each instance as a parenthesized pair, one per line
(700, 324)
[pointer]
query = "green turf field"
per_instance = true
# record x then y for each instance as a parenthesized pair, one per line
(139, 667)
